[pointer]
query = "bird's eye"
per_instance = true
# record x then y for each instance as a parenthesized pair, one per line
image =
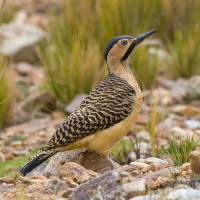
(124, 43)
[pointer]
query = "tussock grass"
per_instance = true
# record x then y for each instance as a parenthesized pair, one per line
(8, 11)
(183, 37)
(184, 52)
(72, 71)
(179, 150)
(7, 94)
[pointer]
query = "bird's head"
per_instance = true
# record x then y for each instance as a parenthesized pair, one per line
(118, 49)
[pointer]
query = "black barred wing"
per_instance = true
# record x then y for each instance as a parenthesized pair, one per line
(107, 104)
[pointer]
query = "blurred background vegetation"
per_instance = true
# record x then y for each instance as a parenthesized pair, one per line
(72, 54)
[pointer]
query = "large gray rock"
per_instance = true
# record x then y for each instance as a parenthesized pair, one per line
(18, 40)
(104, 183)
(183, 194)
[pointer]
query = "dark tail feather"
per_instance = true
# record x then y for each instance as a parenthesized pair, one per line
(37, 160)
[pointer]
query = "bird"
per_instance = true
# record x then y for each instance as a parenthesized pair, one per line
(109, 111)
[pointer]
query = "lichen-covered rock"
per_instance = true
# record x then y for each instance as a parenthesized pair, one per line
(105, 183)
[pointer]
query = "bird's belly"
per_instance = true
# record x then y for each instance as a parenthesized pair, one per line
(103, 141)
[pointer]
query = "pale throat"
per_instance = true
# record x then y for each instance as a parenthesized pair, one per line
(123, 70)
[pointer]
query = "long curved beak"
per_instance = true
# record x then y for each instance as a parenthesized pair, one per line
(137, 40)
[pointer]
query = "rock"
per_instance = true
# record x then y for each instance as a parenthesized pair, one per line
(29, 74)
(6, 179)
(128, 173)
(177, 88)
(132, 156)
(75, 103)
(143, 136)
(185, 110)
(156, 162)
(161, 96)
(172, 194)
(139, 165)
(35, 19)
(106, 183)
(36, 179)
(192, 124)
(75, 172)
(181, 133)
(18, 40)
(152, 178)
(193, 88)
(142, 147)
(195, 161)
(67, 193)
(43, 100)
(161, 54)
(32, 126)
(135, 188)
(183, 194)
(25, 137)
(185, 168)
(23, 68)
(163, 128)
(88, 159)
(38, 6)
(146, 197)
(2, 157)
(142, 119)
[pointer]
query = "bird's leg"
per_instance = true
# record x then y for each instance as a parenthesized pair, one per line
(110, 162)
